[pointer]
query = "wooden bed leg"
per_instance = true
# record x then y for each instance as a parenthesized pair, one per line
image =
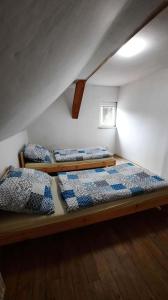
(21, 160)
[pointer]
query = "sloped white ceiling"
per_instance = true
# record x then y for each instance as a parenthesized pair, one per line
(122, 70)
(44, 45)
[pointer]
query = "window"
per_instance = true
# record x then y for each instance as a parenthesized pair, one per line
(108, 115)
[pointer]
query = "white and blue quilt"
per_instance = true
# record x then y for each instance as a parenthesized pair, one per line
(80, 189)
(81, 154)
(26, 191)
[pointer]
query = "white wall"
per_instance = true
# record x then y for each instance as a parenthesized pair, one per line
(142, 122)
(9, 149)
(56, 128)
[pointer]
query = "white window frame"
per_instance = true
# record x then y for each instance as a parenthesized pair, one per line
(102, 124)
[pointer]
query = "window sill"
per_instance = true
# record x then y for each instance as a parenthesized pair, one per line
(107, 127)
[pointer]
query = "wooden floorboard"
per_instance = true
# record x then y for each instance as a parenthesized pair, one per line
(125, 258)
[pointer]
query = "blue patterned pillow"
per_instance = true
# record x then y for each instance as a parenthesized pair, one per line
(37, 153)
(30, 173)
(23, 192)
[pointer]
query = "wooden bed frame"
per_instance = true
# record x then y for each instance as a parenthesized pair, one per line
(11, 232)
(67, 166)
(99, 213)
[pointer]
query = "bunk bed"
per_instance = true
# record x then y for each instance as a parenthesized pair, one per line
(18, 227)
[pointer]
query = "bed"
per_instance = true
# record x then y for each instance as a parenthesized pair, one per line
(67, 160)
(19, 227)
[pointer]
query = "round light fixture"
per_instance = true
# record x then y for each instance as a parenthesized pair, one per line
(133, 47)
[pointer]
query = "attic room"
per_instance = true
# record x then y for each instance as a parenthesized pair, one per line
(84, 149)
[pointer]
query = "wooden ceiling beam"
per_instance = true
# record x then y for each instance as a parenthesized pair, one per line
(79, 90)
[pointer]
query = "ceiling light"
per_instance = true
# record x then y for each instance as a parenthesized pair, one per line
(132, 47)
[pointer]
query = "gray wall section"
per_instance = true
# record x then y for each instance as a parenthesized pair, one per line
(56, 128)
(142, 122)
(43, 47)
(10, 148)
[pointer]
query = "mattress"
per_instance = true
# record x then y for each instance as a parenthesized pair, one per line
(81, 189)
(63, 155)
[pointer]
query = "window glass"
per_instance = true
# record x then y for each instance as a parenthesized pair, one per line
(108, 116)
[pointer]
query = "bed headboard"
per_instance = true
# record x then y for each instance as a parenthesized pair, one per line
(3, 174)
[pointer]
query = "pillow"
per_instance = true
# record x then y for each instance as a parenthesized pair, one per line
(23, 192)
(37, 153)
(30, 173)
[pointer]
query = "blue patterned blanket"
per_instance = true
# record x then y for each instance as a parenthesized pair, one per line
(86, 188)
(81, 154)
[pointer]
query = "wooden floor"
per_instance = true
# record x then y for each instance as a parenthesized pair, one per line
(126, 258)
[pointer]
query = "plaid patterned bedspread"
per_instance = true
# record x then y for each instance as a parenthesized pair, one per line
(81, 154)
(86, 188)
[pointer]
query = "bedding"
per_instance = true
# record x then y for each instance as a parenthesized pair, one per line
(81, 154)
(26, 191)
(37, 153)
(86, 188)
(30, 173)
